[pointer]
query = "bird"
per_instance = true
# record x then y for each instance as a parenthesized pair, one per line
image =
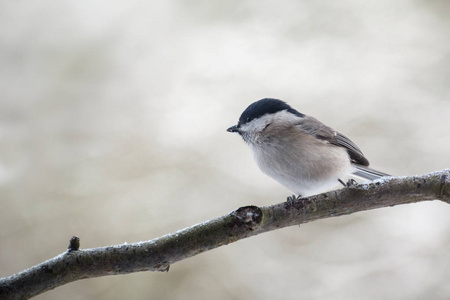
(299, 151)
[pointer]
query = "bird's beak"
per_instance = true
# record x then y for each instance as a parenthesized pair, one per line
(233, 128)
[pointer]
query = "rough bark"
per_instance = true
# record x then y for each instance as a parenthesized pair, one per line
(158, 254)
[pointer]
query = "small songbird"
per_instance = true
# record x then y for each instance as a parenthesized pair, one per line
(299, 151)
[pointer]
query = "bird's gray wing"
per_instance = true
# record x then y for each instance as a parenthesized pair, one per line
(320, 131)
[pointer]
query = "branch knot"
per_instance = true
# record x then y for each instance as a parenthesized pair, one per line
(247, 216)
(74, 244)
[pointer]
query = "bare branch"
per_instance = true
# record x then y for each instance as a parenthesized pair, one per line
(160, 253)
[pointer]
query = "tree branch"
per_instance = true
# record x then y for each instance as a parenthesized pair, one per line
(160, 253)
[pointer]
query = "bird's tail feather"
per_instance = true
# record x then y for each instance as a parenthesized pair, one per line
(368, 173)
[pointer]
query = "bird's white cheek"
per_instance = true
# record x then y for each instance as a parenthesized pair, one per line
(248, 137)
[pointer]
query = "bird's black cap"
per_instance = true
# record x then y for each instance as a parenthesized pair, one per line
(263, 107)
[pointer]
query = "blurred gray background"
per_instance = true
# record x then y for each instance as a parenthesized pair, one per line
(112, 128)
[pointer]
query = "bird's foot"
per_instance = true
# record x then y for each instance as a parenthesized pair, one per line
(291, 199)
(349, 183)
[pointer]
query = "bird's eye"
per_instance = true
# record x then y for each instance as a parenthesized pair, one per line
(266, 126)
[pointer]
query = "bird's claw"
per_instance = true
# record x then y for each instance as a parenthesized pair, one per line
(291, 199)
(349, 183)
